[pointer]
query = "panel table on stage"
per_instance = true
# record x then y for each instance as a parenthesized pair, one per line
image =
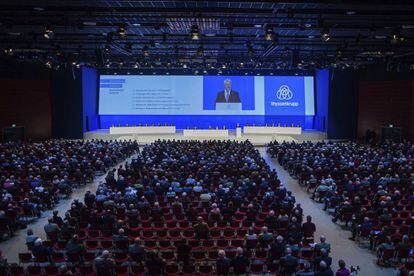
(272, 130)
(143, 130)
(222, 133)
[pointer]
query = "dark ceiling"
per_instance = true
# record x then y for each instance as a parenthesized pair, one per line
(232, 33)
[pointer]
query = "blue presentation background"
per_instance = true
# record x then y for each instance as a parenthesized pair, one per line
(200, 121)
(296, 85)
(212, 85)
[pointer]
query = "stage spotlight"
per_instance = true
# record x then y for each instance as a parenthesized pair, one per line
(396, 37)
(107, 48)
(122, 31)
(270, 34)
(325, 34)
(8, 51)
(136, 65)
(49, 32)
(48, 64)
(145, 51)
(195, 32)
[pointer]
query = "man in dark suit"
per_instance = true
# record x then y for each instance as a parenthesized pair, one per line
(289, 263)
(228, 95)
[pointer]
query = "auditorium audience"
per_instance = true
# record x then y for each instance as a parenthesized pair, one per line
(368, 187)
(154, 264)
(228, 209)
(34, 176)
(240, 263)
(183, 252)
(104, 264)
(324, 270)
(342, 271)
(288, 262)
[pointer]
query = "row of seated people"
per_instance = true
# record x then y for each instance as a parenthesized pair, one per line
(193, 203)
(33, 176)
(140, 262)
(369, 187)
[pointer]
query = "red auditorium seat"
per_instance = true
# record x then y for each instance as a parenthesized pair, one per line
(25, 258)
(167, 255)
(120, 257)
(16, 270)
(89, 257)
(50, 270)
(106, 244)
(171, 269)
(199, 255)
(92, 244)
(58, 257)
(256, 268)
(86, 270)
(121, 270)
(34, 270)
(188, 269)
(205, 269)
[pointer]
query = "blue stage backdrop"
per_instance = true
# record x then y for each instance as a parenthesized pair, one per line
(190, 101)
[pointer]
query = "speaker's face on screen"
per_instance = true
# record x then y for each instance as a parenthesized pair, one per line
(227, 85)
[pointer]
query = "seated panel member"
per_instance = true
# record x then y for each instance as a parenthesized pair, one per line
(228, 95)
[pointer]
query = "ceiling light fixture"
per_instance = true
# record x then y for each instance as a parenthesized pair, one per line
(270, 34)
(49, 32)
(397, 37)
(325, 34)
(145, 51)
(122, 31)
(195, 32)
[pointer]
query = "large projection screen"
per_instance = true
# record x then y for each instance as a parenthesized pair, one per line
(206, 95)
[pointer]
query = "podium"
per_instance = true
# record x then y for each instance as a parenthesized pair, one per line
(238, 132)
(229, 106)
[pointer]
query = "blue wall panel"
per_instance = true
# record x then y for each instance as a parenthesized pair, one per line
(322, 96)
(90, 99)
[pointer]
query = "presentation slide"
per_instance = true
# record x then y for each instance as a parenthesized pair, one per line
(206, 95)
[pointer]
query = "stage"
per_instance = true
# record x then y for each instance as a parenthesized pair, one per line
(256, 139)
